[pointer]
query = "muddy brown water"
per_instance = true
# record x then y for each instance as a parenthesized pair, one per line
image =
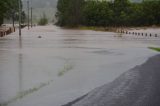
(64, 64)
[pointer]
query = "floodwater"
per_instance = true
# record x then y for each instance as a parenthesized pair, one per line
(64, 64)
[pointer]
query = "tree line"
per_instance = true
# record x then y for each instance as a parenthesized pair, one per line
(108, 13)
(9, 10)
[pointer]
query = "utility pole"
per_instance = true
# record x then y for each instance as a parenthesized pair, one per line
(28, 13)
(13, 17)
(20, 12)
(31, 17)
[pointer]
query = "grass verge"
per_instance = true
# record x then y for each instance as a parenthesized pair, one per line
(155, 49)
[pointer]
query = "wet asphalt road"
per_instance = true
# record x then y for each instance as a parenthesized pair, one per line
(136, 87)
(64, 64)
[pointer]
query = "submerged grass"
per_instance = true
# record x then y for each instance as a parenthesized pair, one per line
(95, 28)
(22, 94)
(65, 69)
(155, 48)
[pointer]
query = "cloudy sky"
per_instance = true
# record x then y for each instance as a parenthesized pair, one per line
(41, 3)
(42, 6)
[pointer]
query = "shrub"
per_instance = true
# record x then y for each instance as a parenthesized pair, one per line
(43, 20)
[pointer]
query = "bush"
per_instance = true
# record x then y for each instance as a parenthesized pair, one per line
(43, 20)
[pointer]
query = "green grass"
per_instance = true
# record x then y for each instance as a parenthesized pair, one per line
(155, 48)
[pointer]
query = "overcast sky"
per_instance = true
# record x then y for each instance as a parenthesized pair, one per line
(41, 3)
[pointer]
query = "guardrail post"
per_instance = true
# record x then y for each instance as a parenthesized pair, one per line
(156, 35)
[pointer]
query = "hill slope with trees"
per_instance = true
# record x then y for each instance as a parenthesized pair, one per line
(107, 13)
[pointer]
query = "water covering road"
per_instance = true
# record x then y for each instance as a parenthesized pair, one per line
(64, 64)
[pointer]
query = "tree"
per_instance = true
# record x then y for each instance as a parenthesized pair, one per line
(106, 13)
(8, 8)
(151, 11)
(69, 12)
(3, 9)
(97, 13)
(121, 12)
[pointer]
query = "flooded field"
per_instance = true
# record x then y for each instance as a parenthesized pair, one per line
(50, 66)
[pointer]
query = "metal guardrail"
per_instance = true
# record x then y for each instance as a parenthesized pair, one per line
(5, 30)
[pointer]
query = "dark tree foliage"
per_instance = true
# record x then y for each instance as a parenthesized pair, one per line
(3, 9)
(108, 13)
(69, 12)
(97, 13)
(151, 12)
(8, 9)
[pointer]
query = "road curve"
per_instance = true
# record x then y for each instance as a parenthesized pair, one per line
(139, 86)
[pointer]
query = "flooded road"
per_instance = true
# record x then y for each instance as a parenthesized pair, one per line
(64, 64)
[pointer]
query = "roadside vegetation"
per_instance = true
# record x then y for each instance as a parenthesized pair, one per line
(43, 20)
(103, 13)
(9, 10)
(155, 48)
